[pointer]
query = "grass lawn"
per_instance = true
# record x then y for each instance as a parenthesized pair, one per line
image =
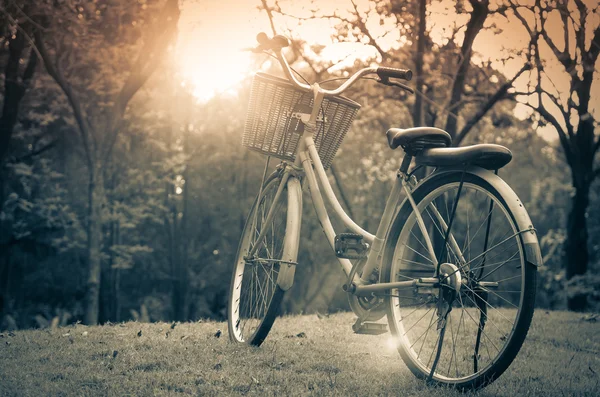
(561, 356)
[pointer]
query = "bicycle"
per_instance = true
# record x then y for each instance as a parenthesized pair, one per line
(459, 296)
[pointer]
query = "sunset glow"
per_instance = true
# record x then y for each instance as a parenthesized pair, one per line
(212, 36)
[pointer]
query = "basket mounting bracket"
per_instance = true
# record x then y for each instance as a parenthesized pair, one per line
(304, 117)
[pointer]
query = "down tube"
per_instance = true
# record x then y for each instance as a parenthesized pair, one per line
(320, 209)
(292, 235)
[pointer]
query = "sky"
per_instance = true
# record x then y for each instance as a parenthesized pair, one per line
(213, 34)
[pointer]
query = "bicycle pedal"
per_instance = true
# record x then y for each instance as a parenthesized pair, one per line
(350, 246)
(369, 328)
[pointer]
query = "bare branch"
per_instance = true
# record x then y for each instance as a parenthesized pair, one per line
(146, 63)
(515, 8)
(300, 54)
(564, 140)
(563, 56)
(498, 95)
(15, 86)
(270, 15)
(364, 30)
(594, 49)
(56, 74)
(580, 32)
(19, 28)
(29, 19)
(556, 101)
(37, 152)
(478, 16)
(564, 16)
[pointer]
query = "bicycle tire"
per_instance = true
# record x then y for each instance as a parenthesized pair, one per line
(396, 267)
(259, 319)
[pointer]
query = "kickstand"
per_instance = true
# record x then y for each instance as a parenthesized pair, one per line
(444, 309)
(363, 327)
(480, 300)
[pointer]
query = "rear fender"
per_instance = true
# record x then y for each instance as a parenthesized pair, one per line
(533, 254)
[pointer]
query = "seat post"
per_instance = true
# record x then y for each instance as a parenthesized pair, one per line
(405, 164)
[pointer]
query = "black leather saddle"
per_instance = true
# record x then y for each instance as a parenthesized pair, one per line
(430, 146)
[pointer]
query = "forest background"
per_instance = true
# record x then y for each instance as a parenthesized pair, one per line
(124, 186)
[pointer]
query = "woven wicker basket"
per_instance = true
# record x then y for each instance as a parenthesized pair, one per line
(273, 124)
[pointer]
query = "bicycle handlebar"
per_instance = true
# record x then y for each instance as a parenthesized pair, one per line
(404, 74)
(277, 43)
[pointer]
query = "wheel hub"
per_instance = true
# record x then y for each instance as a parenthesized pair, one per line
(450, 276)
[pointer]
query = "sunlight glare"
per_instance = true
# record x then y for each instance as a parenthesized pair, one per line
(209, 49)
(212, 36)
(392, 343)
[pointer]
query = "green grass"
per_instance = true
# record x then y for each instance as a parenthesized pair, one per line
(561, 356)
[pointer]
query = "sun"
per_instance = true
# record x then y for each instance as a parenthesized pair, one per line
(209, 51)
(213, 34)
(209, 75)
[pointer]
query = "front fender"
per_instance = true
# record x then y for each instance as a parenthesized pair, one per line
(285, 279)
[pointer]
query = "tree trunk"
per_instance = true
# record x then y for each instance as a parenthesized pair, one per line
(576, 254)
(180, 285)
(94, 245)
(177, 297)
(184, 271)
(418, 114)
(15, 86)
(475, 24)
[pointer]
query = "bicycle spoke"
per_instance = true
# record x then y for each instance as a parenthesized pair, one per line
(487, 303)
(416, 322)
(426, 332)
(463, 215)
(418, 253)
(499, 266)
(256, 281)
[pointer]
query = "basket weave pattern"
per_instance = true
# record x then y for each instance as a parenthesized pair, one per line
(273, 126)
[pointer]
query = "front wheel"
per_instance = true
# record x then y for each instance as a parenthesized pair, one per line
(466, 330)
(254, 295)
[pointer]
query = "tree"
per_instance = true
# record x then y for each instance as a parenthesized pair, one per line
(99, 84)
(573, 44)
(449, 77)
(16, 78)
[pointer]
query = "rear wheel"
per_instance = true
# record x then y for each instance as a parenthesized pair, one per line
(468, 338)
(254, 296)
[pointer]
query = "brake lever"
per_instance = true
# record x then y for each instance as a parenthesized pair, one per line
(386, 81)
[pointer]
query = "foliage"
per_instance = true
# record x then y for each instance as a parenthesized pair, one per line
(178, 185)
(568, 108)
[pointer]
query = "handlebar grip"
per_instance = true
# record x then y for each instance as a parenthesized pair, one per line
(280, 41)
(262, 38)
(404, 74)
(276, 43)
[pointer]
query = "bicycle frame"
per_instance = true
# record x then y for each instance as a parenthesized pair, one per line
(308, 159)
(436, 286)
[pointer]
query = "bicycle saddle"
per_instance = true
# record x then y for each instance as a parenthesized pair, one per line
(415, 140)
(429, 146)
(488, 156)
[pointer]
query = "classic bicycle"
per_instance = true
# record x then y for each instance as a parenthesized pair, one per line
(452, 264)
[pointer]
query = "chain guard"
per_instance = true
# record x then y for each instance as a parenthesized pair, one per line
(366, 308)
